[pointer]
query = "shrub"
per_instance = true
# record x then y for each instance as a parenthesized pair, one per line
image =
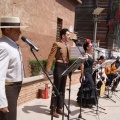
(72, 60)
(43, 63)
(36, 69)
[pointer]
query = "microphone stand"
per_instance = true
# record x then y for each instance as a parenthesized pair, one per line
(97, 94)
(56, 90)
(78, 48)
(80, 51)
(71, 69)
(70, 74)
(81, 91)
(82, 84)
(65, 68)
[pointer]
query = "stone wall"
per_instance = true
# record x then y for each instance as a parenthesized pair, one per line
(30, 89)
(41, 17)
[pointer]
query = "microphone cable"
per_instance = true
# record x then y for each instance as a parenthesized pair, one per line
(81, 53)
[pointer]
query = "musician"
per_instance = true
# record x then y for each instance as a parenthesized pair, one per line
(89, 95)
(111, 72)
(61, 52)
(101, 76)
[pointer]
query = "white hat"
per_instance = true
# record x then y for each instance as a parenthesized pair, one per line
(10, 22)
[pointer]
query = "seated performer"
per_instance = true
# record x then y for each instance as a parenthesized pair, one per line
(111, 73)
(88, 94)
(101, 76)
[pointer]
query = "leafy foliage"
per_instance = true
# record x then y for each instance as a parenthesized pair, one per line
(72, 60)
(36, 69)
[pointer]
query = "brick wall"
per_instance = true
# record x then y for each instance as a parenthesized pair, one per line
(30, 90)
(41, 17)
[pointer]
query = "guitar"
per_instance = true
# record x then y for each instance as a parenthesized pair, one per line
(110, 69)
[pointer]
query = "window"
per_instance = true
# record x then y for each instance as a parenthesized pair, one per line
(59, 27)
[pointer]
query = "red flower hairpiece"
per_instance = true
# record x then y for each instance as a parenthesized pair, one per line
(88, 41)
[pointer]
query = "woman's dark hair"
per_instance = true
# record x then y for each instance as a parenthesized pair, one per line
(63, 32)
(86, 44)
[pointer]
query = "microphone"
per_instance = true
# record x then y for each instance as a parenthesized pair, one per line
(29, 43)
(74, 40)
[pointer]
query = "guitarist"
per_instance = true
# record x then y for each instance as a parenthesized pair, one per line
(111, 72)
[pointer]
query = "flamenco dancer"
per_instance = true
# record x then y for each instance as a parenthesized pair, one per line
(88, 94)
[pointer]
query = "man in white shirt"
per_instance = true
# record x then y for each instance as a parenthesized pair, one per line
(11, 67)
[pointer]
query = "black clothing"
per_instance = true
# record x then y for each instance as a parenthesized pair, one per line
(60, 83)
(117, 63)
(113, 83)
(89, 94)
(88, 65)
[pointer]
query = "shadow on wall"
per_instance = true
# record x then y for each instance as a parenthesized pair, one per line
(66, 5)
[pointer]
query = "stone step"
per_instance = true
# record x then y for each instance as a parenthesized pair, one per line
(102, 6)
(90, 23)
(75, 53)
(102, 28)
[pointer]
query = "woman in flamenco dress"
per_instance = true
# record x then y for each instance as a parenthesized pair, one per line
(87, 95)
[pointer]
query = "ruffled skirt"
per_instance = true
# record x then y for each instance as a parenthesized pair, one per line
(87, 95)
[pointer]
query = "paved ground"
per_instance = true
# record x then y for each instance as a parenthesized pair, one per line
(38, 109)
